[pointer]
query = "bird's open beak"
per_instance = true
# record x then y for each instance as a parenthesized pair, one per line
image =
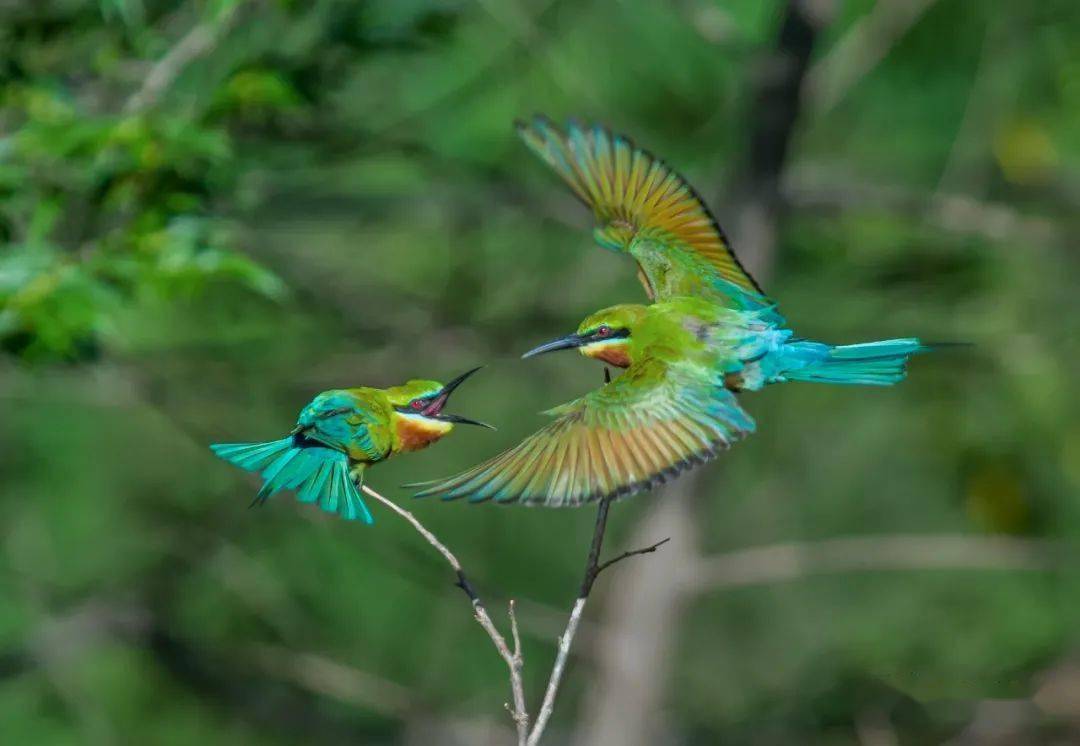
(435, 410)
(456, 418)
(568, 342)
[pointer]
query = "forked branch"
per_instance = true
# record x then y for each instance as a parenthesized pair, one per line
(593, 568)
(512, 655)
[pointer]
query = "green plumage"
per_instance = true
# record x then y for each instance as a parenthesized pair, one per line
(339, 435)
(711, 333)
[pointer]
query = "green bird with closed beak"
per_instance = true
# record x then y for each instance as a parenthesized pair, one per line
(710, 333)
(340, 434)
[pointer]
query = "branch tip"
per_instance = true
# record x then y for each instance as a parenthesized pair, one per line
(632, 553)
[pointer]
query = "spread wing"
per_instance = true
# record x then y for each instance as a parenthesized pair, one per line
(650, 424)
(646, 209)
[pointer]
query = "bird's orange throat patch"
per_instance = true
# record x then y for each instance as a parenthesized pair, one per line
(612, 351)
(415, 432)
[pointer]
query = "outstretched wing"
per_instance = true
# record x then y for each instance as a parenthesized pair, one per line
(645, 209)
(650, 424)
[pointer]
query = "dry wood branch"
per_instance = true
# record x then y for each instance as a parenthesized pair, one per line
(632, 553)
(592, 562)
(593, 568)
(563, 654)
(631, 643)
(513, 657)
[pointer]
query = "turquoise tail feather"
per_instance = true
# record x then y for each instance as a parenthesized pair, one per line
(881, 363)
(317, 475)
(252, 456)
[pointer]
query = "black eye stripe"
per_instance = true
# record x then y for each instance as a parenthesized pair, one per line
(411, 407)
(612, 334)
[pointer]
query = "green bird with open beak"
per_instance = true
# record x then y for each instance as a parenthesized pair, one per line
(340, 434)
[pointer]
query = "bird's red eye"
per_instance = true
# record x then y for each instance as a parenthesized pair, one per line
(603, 331)
(417, 404)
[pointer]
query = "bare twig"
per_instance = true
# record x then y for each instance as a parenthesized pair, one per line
(593, 568)
(632, 553)
(196, 43)
(630, 646)
(516, 662)
(592, 562)
(513, 657)
(565, 641)
(514, 630)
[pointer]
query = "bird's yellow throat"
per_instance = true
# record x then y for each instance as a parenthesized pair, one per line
(414, 431)
(612, 351)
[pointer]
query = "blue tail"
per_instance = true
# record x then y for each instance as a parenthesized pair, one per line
(318, 475)
(871, 363)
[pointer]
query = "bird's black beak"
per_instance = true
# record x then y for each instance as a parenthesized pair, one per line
(456, 418)
(568, 342)
(449, 388)
(444, 395)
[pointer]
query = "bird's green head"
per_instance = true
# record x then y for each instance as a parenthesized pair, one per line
(605, 335)
(424, 400)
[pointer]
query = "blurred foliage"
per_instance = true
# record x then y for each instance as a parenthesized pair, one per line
(97, 207)
(211, 210)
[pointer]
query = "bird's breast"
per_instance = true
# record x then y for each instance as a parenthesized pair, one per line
(415, 432)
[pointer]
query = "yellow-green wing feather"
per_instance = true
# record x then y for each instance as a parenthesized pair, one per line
(647, 210)
(370, 423)
(648, 425)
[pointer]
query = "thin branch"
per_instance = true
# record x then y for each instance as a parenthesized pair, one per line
(630, 657)
(428, 536)
(632, 553)
(196, 43)
(565, 641)
(514, 630)
(593, 568)
(792, 561)
(516, 662)
(513, 657)
(592, 562)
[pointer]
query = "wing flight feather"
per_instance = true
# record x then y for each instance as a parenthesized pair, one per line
(644, 208)
(655, 421)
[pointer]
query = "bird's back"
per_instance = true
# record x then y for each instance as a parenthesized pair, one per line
(694, 331)
(356, 421)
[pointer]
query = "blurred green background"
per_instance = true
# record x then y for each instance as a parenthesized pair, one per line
(210, 211)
